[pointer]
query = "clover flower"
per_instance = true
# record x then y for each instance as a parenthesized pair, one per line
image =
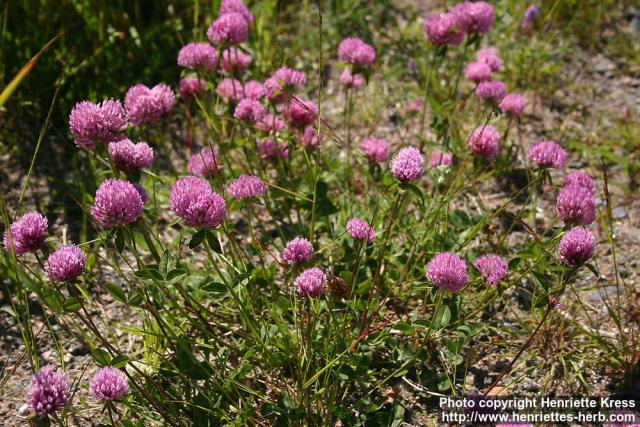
(297, 251)
(407, 165)
(191, 87)
(376, 149)
(547, 154)
(576, 246)
(92, 124)
(493, 90)
(356, 52)
(27, 233)
(301, 113)
(130, 157)
(484, 141)
(146, 105)
(492, 267)
(204, 164)
(108, 384)
(230, 89)
(439, 158)
(193, 200)
(249, 111)
(50, 390)
(444, 29)
(234, 60)
(581, 179)
(235, 6)
(360, 229)
(254, 90)
(310, 139)
(447, 271)
(475, 17)
(228, 29)
(65, 264)
(477, 72)
(349, 80)
(201, 56)
(116, 203)
(513, 104)
(272, 149)
(575, 205)
(246, 187)
(312, 282)
(489, 56)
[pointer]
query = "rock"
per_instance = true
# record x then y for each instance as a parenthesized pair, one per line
(619, 212)
(24, 410)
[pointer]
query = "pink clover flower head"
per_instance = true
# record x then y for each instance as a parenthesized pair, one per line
(547, 154)
(493, 90)
(65, 264)
(513, 104)
(249, 111)
(204, 164)
(493, 268)
(146, 105)
(356, 52)
(312, 282)
(360, 229)
(246, 187)
(283, 80)
(407, 165)
(235, 6)
(439, 158)
(50, 390)
(234, 60)
(376, 149)
(116, 203)
(477, 72)
(193, 200)
(484, 142)
(230, 89)
(489, 55)
(272, 149)
(414, 106)
(310, 139)
(27, 233)
(575, 205)
(130, 157)
(475, 17)
(301, 113)
(254, 90)
(108, 384)
(201, 56)
(297, 251)
(270, 123)
(92, 124)
(447, 271)
(349, 80)
(581, 179)
(444, 29)
(191, 87)
(228, 29)
(576, 246)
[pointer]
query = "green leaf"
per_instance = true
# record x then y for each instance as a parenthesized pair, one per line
(101, 357)
(72, 304)
(404, 328)
(116, 292)
(212, 241)
(197, 239)
(407, 186)
(119, 361)
(120, 239)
